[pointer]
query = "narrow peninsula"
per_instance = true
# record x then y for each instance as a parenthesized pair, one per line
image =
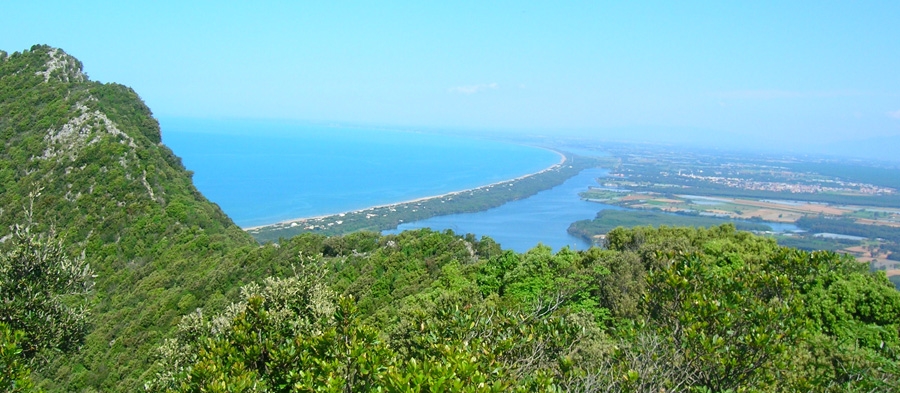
(387, 217)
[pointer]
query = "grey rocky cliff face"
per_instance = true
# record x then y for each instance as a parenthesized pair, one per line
(87, 124)
(74, 134)
(63, 67)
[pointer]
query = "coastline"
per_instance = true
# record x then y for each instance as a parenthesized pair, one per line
(388, 217)
(562, 160)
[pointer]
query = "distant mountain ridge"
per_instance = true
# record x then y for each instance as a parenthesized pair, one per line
(92, 153)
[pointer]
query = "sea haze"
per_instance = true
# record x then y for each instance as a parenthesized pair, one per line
(262, 172)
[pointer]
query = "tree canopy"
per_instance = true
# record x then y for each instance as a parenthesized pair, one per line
(183, 300)
(660, 309)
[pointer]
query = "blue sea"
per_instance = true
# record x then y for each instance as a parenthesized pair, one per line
(262, 172)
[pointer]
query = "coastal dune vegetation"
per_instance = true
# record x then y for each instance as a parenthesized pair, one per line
(381, 218)
(140, 283)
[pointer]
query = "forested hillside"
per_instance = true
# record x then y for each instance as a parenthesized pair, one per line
(90, 157)
(668, 309)
(174, 297)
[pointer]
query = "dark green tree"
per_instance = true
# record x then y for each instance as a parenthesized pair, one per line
(43, 292)
(14, 370)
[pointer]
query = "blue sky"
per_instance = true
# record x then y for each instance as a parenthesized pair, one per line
(739, 74)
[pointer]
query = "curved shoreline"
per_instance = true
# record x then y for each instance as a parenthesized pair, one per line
(288, 222)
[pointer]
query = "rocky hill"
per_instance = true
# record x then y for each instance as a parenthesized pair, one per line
(91, 158)
(656, 309)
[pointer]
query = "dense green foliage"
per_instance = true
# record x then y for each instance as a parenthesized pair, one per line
(888, 237)
(295, 334)
(42, 294)
(14, 371)
(110, 190)
(607, 220)
(744, 294)
(847, 226)
(812, 243)
(671, 309)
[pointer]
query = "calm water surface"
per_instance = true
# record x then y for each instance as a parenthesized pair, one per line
(262, 172)
(521, 225)
(541, 219)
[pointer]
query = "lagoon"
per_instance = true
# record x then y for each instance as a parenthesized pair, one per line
(543, 218)
(262, 172)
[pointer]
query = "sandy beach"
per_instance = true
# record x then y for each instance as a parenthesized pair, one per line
(562, 160)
